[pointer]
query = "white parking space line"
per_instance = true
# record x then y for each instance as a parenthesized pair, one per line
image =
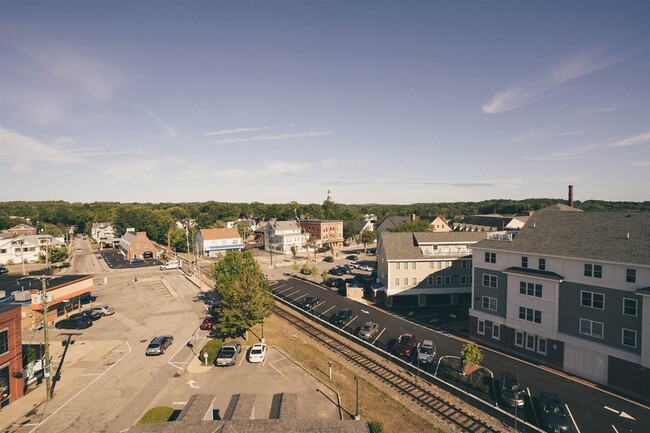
(327, 309)
(532, 405)
(353, 319)
(169, 361)
(571, 416)
(375, 340)
(285, 290)
(243, 349)
(291, 294)
(279, 372)
(82, 389)
(614, 427)
(300, 297)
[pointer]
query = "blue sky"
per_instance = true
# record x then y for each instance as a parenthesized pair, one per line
(381, 102)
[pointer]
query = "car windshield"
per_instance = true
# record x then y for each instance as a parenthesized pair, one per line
(426, 350)
(405, 339)
(228, 351)
(154, 345)
(553, 409)
(367, 327)
(257, 351)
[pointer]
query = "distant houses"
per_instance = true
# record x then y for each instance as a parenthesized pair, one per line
(214, 242)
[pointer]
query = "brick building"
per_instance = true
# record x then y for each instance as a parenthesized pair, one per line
(11, 355)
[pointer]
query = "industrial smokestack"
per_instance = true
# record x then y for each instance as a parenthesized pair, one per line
(571, 195)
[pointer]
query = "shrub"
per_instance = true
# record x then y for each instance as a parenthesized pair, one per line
(156, 415)
(376, 427)
(212, 348)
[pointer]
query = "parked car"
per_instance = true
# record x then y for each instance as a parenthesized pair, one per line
(91, 314)
(137, 261)
(228, 354)
(257, 352)
(158, 345)
(76, 323)
(352, 257)
(3, 270)
(87, 297)
(309, 302)
(346, 243)
(510, 392)
(328, 259)
(553, 416)
(104, 310)
(336, 271)
(341, 317)
(426, 353)
(365, 268)
(406, 344)
(208, 323)
(368, 330)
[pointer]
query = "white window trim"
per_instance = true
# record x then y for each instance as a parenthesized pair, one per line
(478, 327)
(523, 338)
(527, 338)
(496, 306)
(498, 333)
(592, 300)
(539, 350)
(591, 328)
(636, 308)
(623, 338)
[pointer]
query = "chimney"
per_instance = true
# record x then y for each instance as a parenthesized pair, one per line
(571, 195)
(412, 217)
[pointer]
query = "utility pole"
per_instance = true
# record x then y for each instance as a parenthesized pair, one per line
(46, 337)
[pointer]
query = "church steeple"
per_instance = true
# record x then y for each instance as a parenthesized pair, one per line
(329, 196)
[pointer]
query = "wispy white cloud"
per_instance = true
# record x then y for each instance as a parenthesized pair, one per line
(52, 76)
(240, 130)
(643, 138)
(274, 168)
(542, 133)
(26, 150)
(639, 163)
(575, 152)
(167, 130)
(144, 170)
(334, 163)
(599, 110)
(273, 137)
(579, 65)
(505, 183)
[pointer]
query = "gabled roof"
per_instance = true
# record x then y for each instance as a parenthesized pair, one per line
(222, 233)
(358, 225)
(22, 226)
(393, 221)
(585, 235)
(285, 225)
(497, 221)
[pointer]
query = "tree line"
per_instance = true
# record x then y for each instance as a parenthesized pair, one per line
(159, 219)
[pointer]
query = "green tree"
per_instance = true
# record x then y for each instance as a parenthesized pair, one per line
(244, 229)
(58, 254)
(245, 295)
(376, 427)
(295, 266)
(325, 275)
(420, 225)
(294, 251)
(471, 356)
(349, 230)
(367, 237)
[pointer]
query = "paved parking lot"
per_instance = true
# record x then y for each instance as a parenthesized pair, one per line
(276, 375)
(115, 260)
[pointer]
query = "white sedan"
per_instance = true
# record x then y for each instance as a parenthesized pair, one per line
(257, 352)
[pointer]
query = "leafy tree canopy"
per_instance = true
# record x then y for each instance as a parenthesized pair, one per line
(245, 295)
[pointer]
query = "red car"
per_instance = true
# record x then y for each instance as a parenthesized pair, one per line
(406, 345)
(207, 324)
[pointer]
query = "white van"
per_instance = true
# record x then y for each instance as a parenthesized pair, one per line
(172, 264)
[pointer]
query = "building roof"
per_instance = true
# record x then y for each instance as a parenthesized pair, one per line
(406, 246)
(393, 221)
(494, 220)
(8, 307)
(222, 233)
(320, 221)
(622, 237)
(17, 283)
(358, 225)
(285, 225)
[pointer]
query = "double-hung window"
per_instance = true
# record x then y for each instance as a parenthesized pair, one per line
(490, 281)
(594, 271)
(490, 257)
(489, 303)
(592, 300)
(591, 328)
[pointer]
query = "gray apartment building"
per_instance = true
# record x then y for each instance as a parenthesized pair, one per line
(570, 290)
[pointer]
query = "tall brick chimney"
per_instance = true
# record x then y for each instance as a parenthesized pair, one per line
(571, 195)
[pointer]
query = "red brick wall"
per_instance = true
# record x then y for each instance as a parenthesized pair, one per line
(10, 321)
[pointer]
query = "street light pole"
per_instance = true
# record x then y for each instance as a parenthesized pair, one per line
(46, 338)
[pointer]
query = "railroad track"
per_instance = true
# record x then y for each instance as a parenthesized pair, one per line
(402, 383)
